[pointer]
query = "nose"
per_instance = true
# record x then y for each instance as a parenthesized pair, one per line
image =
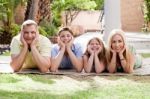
(117, 44)
(29, 34)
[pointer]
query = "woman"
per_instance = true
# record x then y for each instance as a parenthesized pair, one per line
(120, 57)
(65, 54)
(94, 58)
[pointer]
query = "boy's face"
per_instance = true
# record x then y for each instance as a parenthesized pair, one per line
(65, 36)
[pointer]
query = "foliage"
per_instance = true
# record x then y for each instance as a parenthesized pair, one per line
(7, 32)
(58, 6)
(100, 4)
(8, 28)
(47, 29)
(146, 55)
(146, 15)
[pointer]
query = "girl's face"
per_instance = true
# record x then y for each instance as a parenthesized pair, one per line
(95, 45)
(117, 43)
(65, 36)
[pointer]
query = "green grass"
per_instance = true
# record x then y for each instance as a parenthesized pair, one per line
(7, 53)
(146, 55)
(29, 86)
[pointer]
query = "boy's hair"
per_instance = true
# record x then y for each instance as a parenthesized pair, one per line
(65, 29)
(27, 23)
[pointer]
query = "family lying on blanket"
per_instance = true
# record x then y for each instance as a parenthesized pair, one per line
(31, 50)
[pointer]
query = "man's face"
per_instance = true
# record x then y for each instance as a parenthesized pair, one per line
(29, 33)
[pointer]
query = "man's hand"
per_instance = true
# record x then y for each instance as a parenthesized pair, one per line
(34, 42)
(23, 40)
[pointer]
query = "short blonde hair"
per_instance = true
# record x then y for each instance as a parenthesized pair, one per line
(27, 23)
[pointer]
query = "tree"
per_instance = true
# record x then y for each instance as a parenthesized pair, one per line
(38, 10)
(71, 9)
(8, 28)
(146, 15)
(100, 4)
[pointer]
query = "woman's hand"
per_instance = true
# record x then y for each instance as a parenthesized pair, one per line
(113, 51)
(121, 52)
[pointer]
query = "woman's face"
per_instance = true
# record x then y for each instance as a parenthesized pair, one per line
(95, 45)
(117, 43)
(65, 36)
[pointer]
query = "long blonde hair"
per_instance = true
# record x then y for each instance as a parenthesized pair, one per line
(126, 53)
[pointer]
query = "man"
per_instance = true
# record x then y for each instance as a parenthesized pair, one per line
(29, 49)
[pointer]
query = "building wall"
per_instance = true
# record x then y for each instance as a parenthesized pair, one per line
(131, 15)
(89, 20)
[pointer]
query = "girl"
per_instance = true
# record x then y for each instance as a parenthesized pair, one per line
(66, 54)
(94, 58)
(120, 57)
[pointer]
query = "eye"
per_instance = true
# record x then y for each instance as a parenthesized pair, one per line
(26, 32)
(62, 36)
(98, 44)
(68, 35)
(120, 41)
(33, 32)
(91, 44)
(113, 41)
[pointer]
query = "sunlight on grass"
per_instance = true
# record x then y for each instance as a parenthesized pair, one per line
(40, 86)
(146, 55)
(9, 78)
(115, 89)
(29, 84)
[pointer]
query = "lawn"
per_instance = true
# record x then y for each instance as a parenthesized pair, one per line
(34, 86)
(29, 86)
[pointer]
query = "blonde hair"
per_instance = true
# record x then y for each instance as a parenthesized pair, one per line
(27, 23)
(126, 53)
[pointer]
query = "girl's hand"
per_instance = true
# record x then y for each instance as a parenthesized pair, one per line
(89, 49)
(98, 50)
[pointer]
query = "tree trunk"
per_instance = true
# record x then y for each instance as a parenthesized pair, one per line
(32, 9)
(38, 10)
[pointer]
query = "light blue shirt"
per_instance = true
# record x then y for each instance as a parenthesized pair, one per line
(66, 62)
